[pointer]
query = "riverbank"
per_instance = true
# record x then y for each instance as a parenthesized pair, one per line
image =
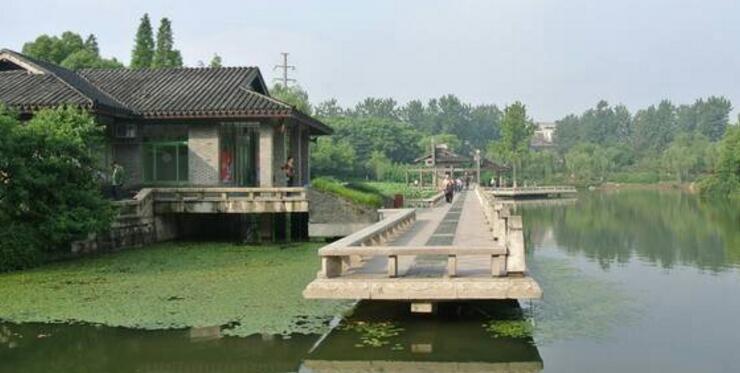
(246, 289)
(684, 187)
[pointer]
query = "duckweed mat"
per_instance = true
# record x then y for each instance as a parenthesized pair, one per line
(245, 289)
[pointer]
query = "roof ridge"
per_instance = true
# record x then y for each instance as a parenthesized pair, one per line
(150, 69)
(273, 99)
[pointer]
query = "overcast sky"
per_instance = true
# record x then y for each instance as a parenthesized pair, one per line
(558, 57)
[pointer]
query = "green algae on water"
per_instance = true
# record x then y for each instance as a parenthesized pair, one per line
(509, 328)
(248, 289)
(374, 334)
(575, 304)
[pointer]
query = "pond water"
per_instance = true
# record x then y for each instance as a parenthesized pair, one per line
(633, 281)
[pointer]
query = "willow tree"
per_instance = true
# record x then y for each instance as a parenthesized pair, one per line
(516, 131)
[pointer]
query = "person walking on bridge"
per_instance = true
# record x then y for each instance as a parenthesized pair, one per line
(448, 187)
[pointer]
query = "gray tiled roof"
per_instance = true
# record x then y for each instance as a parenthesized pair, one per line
(226, 92)
(155, 93)
(29, 91)
(56, 86)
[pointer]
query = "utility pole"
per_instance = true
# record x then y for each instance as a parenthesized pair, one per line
(285, 67)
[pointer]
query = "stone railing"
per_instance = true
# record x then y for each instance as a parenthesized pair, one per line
(552, 189)
(213, 200)
(393, 223)
(426, 202)
(219, 194)
(334, 255)
(141, 206)
(506, 229)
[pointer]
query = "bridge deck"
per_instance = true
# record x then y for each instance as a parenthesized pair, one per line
(534, 191)
(463, 228)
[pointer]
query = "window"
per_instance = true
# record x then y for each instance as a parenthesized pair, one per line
(166, 161)
(126, 131)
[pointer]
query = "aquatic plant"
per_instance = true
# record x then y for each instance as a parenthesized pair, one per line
(374, 334)
(576, 304)
(246, 289)
(509, 328)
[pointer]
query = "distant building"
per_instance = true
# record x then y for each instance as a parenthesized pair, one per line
(543, 135)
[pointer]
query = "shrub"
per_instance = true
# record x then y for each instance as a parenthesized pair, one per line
(49, 195)
(335, 187)
(645, 177)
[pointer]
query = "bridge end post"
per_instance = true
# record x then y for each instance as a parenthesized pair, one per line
(451, 265)
(393, 266)
(331, 266)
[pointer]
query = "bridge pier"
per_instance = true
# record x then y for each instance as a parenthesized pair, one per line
(424, 307)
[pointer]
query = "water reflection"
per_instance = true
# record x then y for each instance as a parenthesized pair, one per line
(81, 348)
(454, 340)
(661, 227)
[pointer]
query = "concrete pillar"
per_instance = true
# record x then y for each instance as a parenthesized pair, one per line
(279, 155)
(305, 139)
(266, 155)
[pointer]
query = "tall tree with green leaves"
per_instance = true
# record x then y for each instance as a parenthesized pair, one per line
(724, 181)
(91, 44)
(165, 54)
(516, 131)
(143, 53)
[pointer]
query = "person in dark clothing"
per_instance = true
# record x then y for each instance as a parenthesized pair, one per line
(289, 170)
(117, 180)
(448, 187)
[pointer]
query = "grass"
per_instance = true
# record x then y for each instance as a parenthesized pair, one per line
(408, 191)
(372, 193)
(252, 289)
(358, 195)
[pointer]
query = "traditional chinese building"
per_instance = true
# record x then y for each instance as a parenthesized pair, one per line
(208, 141)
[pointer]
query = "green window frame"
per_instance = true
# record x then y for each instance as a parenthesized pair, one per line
(166, 162)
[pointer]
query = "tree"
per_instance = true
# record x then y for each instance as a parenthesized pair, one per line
(452, 142)
(165, 54)
(713, 117)
(143, 54)
(332, 158)
(85, 58)
(69, 51)
(516, 131)
(215, 61)
(654, 128)
(724, 181)
(396, 140)
(378, 108)
(49, 194)
(294, 96)
(91, 44)
(329, 108)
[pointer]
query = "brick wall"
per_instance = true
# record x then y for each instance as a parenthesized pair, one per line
(203, 145)
(129, 156)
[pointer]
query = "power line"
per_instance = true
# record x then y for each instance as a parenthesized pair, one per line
(285, 67)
